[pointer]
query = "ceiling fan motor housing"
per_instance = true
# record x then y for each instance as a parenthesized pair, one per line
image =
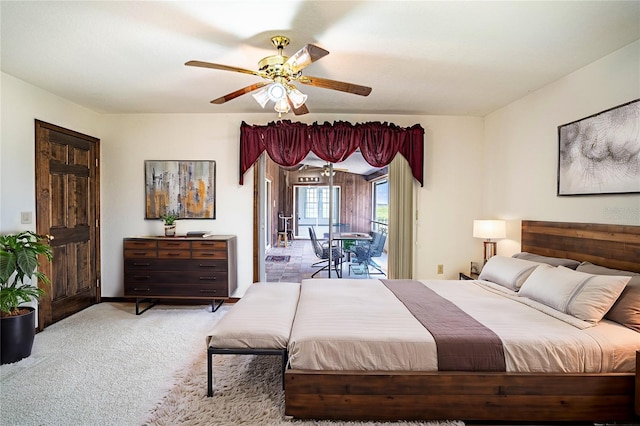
(273, 66)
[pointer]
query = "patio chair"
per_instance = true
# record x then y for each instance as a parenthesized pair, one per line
(363, 254)
(321, 250)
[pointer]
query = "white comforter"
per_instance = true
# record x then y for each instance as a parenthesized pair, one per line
(344, 324)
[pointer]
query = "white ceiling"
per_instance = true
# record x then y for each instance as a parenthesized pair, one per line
(420, 57)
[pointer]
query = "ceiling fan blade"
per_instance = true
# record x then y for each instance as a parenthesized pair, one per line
(239, 92)
(298, 111)
(356, 89)
(304, 57)
(222, 67)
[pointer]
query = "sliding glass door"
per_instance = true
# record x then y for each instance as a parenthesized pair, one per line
(312, 209)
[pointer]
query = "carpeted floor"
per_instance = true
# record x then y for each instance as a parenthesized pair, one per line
(103, 366)
(107, 366)
(247, 390)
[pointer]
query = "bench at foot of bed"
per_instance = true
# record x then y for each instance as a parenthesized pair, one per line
(258, 324)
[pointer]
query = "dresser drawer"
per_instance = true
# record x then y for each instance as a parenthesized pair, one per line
(139, 244)
(209, 254)
(209, 245)
(174, 244)
(220, 265)
(174, 254)
(168, 290)
(140, 253)
(178, 278)
(155, 264)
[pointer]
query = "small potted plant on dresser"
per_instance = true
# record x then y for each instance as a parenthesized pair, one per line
(19, 263)
(169, 220)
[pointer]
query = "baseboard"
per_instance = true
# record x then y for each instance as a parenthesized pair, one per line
(164, 301)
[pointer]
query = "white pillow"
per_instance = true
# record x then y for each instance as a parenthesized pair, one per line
(585, 296)
(508, 271)
(596, 297)
(553, 287)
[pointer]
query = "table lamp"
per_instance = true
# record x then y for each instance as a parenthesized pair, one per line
(488, 229)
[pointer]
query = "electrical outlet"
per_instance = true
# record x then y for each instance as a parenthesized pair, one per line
(440, 269)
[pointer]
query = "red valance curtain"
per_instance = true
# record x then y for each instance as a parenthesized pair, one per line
(289, 143)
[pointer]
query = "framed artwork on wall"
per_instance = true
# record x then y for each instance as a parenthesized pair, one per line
(184, 188)
(600, 154)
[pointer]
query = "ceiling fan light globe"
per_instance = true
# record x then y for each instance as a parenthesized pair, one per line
(282, 106)
(276, 92)
(297, 98)
(261, 96)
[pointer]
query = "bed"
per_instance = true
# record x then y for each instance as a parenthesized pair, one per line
(357, 357)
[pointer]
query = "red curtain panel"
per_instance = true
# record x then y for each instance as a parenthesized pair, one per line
(289, 143)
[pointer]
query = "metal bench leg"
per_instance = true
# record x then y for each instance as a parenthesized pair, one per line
(285, 358)
(209, 373)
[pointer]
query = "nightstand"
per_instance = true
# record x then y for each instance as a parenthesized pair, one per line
(465, 276)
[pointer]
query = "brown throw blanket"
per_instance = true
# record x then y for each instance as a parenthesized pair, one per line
(463, 344)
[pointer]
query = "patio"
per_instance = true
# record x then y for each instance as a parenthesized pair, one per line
(297, 266)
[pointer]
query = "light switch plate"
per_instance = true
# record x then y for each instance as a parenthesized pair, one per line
(26, 217)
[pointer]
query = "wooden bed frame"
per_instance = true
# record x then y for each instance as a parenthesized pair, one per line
(521, 397)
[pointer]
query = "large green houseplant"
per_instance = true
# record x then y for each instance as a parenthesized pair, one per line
(19, 278)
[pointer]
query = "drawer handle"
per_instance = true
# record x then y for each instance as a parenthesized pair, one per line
(141, 264)
(208, 291)
(208, 244)
(141, 289)
(204, 265)
(173, 244)
(209, 254)
(173, 254)
(141, 277)
(140, 253)
(208, 278)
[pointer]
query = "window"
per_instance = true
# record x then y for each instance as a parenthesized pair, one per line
(325, 202)
(311, 203)
(380, 203)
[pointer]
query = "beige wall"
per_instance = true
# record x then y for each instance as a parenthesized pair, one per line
(521, 148)
(128, 140)
(21, 104)
(501, 166)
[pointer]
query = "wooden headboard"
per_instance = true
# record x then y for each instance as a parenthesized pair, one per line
(612, 246)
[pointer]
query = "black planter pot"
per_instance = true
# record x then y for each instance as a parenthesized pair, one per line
(16, 336)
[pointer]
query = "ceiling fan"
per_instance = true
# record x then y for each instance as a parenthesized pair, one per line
(323, 170)
(282, 71)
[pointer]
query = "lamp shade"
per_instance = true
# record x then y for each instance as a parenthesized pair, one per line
(282, 106)
(262, 96)
(488, 229)
(297, 98)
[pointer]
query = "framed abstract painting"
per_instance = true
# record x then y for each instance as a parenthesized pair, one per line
(184, 188)
(600, 154)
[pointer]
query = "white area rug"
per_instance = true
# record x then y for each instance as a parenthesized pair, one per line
(247, 391)
(103, 366)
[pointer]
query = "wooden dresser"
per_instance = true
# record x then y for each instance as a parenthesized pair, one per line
(180, 268)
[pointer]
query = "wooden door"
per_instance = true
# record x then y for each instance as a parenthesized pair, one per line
(67, 207)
